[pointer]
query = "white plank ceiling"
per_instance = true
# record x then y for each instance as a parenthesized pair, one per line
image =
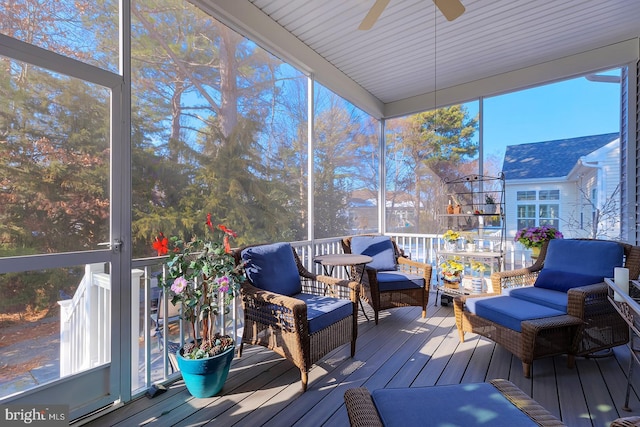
(412, 49)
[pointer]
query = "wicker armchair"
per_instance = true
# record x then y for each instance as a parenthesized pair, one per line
(283, 322)
(400, 294)
(602, 327)
(598, 324)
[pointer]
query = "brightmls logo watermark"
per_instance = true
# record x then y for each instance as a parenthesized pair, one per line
(36, 415)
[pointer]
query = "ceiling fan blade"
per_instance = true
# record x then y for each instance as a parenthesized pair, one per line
(373, 15)
(451, 9)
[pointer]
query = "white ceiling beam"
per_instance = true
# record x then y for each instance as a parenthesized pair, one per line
(618, 54)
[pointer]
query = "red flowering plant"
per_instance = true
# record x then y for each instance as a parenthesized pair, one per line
(202, 277)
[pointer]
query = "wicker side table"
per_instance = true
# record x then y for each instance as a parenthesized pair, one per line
(627, 305)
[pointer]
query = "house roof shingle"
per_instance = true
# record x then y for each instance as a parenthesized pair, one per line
(550, 159)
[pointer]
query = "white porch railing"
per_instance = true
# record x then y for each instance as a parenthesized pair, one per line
(85, 322)
(420, 247)
(84, 328)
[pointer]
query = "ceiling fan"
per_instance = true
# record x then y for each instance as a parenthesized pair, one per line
(451, 9)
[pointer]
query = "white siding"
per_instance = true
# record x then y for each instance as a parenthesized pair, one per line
(599, 170)
(567, 198)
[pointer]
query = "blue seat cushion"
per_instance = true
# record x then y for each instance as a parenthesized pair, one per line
(397, 280)
(324, 311)
(553, 299)
(272, 268)
(562, 281)
(469, 405)
(509, 311)
(589, 257)
(380, 248)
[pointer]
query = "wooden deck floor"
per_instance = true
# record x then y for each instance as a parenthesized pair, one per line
(404, 350)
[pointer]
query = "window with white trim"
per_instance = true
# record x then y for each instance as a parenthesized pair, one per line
(535, 208)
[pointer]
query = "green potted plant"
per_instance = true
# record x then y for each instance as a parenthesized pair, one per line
(203, 279)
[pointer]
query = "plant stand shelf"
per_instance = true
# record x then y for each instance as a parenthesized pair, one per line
(475, 212)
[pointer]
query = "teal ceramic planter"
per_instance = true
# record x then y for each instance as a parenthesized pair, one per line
(205, 377)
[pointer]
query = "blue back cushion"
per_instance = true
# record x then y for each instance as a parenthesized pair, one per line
(273, 268)
(563, 281)
(595, 258)
(571, 263)
(380, 248)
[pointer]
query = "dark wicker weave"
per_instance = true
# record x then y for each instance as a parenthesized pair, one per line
(279, 322)
(600, 325)
(363, 413)
(626, 422)
(396, 298)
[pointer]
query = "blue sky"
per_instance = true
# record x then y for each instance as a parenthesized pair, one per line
(567, 109)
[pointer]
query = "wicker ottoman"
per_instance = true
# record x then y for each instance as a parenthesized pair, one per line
(542, 331)
(497, 403)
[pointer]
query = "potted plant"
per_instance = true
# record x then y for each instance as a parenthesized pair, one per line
(534, 237)
(490, 203)
(468, 243)
(451, 270)
(450, 240)
(202, 277)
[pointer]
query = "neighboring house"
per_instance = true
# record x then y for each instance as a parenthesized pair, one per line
(571, 184)
(363, 211)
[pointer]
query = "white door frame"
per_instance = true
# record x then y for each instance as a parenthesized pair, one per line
(101, 386)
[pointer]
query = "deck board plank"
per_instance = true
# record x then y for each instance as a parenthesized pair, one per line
(544, 386)
(616, 381)
(407, 358)
(500, 363)
(573, 406)
(403, 350)
(234, 407)
(599, 402)
(440, 323)
(623, 357)
(235, 391)
(397, 353)
(440, 357)
(384, 340)
(477, 369)
(516, 376)
(459, 360)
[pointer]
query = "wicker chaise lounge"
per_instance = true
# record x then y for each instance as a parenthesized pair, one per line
(550, 312)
